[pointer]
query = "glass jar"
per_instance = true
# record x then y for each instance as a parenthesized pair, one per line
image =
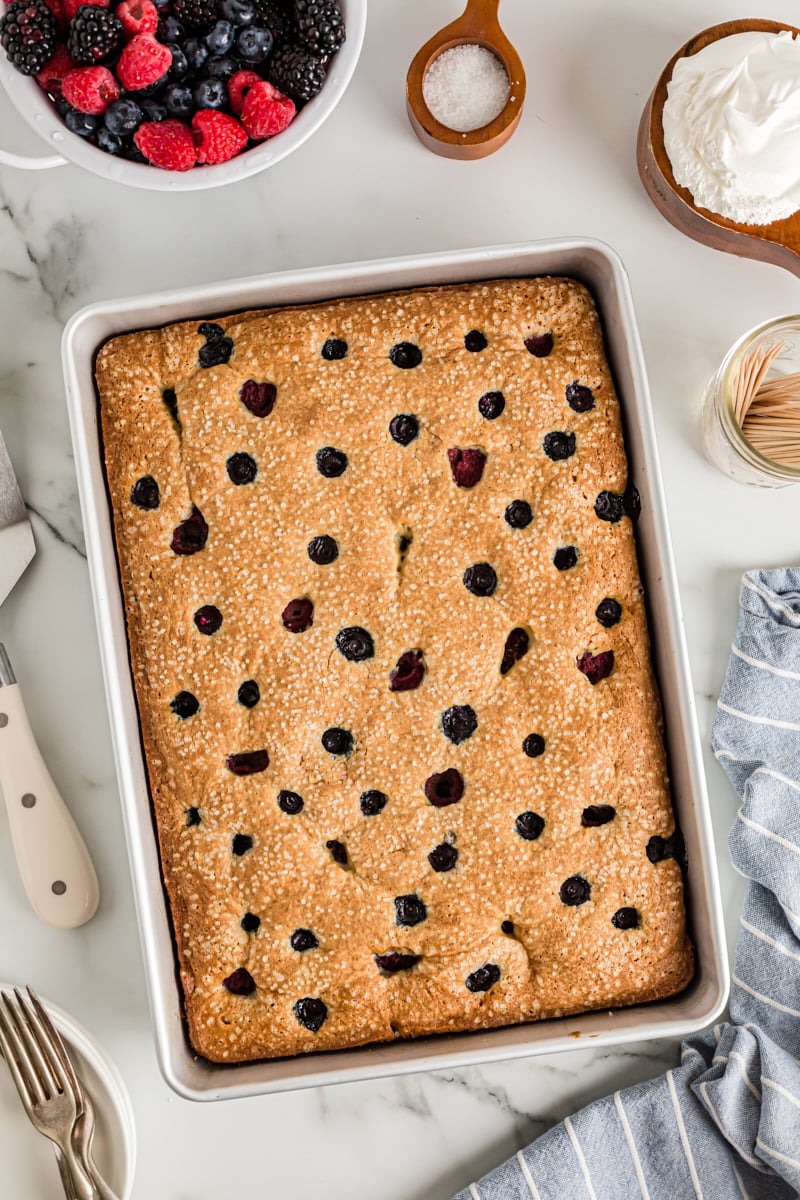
(723, 441)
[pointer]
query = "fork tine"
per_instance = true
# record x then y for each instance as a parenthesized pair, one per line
(54, 1038)
(36, 1060)
(47, 1044)
(9, 1043)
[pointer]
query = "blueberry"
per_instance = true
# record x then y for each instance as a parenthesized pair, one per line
(323, 550)
(373, 802)
(298, 616)
(241, 468)
(302, 940)
(519, 514)
(610, 506)
(507, 927)
(132, 153)
(533, 745)
(409, 910)
(191, 535)
(241, 843)
(211, 331)
(290, 803)
(154, 111)
(249, 693)
(208, 619)
(405, 355)
(238, 12)
(311, 1013)
(170, 29)
(443, 857)
(409, 672)
(192, 817)
(596, 666)
(250, 922)
(222, 67)
(559, 445)
(355, 644)
(152, 89)
(338, 852)
(334, 349)
(184, 705)
(331, 463)
(575, 890)
(565, 558)
(475, 341)
(516, 647)
(539, 344)
(632, 501)
(196, 54)
(659, 848)
(626, 918)
(597, 814)
(459, 723)
(180, 66)
(145, 493)
(395, 961)
(170, 402)
(480, 579)
(609, 612)
(579, 398)
(109, 142)
(484, 978)
(253, 45)
(445, 788)
(219, 38)
(491, 405)
(210, 93)
(529, 826)
(337, 741)
(404, 428)
(466, 466)
(240, 983)
(62, 107)
(81, 123)
(258, 398)
(251, 762)
(218, 347)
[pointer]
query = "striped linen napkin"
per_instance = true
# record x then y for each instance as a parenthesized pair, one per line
(726, 1122)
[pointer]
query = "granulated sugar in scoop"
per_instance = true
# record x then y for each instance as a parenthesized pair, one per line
(466, 87)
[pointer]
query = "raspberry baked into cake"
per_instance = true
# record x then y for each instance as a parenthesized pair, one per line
(391, 658)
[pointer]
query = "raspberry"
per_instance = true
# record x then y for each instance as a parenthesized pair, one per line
(72, 6)
(167, 144)
(265, 111)
(142, 62)
(52, 76)
(218, 137)
(138, 16)
(90, 89)
(238, 85)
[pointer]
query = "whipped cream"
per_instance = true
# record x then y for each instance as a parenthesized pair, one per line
(732, 126)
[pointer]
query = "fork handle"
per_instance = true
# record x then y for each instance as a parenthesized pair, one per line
(103, 1192)
(81, 1185)
(57, 872)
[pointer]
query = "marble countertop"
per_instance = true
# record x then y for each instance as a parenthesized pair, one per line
(363, 187)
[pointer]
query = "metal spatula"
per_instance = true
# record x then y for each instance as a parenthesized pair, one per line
(57, 872)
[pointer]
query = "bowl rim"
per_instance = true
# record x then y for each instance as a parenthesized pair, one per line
(36, 109)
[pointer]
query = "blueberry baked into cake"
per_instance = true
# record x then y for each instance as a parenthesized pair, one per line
(391, 658)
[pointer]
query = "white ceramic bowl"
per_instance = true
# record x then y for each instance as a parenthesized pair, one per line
(32, 103)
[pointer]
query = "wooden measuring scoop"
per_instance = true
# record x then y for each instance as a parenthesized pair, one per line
(777, 243)
(478, 25)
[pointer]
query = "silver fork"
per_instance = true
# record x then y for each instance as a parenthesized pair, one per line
(43, 1085)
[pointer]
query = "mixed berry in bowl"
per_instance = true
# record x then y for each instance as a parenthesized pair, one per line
(174, 83)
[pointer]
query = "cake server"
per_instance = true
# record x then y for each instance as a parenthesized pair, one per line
(56, 870)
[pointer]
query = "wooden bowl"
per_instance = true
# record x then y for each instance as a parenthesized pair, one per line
(478, 25)
(777, 243)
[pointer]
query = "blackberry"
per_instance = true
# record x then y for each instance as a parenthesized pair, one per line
(319, 25)
(294, 71)
(28, 35)
(271, 16)
(94, 34)
(196, 14)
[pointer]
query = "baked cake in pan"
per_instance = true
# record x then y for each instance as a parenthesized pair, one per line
(391, 658)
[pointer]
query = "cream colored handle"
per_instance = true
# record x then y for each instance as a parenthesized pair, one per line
(57, 872)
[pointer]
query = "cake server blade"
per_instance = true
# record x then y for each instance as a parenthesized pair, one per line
(16, 536)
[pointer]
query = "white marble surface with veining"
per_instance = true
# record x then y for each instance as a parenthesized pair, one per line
(362, 187)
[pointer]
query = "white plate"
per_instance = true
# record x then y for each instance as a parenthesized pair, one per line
(28, 1158)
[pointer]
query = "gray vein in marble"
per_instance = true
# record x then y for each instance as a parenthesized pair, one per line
(55, 269)
(56, 532)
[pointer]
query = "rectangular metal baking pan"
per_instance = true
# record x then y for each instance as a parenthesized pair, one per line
(602, 271)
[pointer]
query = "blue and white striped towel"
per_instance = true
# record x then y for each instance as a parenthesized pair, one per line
(726, 1122)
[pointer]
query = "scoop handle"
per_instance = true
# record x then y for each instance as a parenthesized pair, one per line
(54, 864)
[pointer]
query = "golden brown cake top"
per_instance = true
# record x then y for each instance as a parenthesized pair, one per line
(391, 657)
